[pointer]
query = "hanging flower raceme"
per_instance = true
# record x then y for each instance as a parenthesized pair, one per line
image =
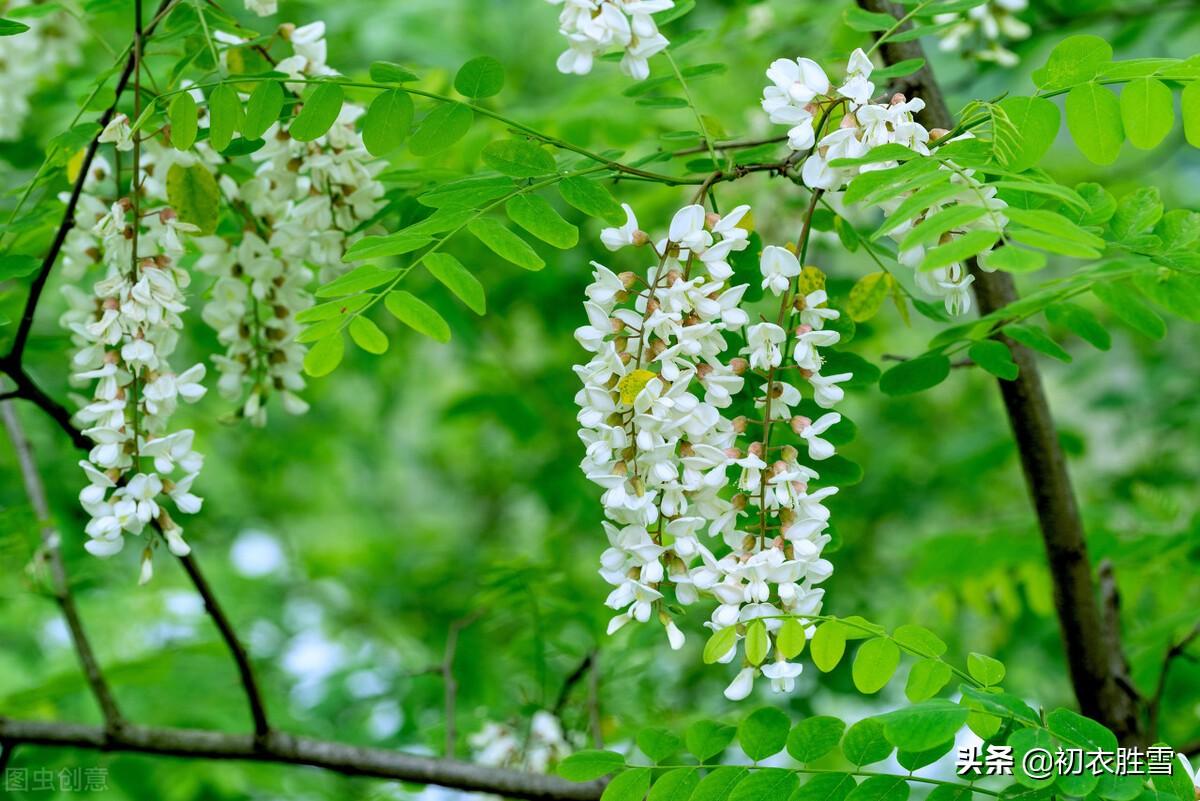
(594, 27)
(126, 331)
(304, 205)
(700, 503)
(801, 94)
(33, 57)
(982, 31)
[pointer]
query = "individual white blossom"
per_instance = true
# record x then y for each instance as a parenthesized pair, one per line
(594, 27)
(696, 506)
(536, 749)
(263, 8)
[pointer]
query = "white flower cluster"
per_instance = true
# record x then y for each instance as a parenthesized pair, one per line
(800, 91)
(499, 745)
(593, 27)
(31, 57)
(993, 22)
(126, 331)
(263, 8)
(654, 419)
(303, 207)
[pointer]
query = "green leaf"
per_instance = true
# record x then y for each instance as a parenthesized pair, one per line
(417, 315)
(9, 27)
(1033, 337)
(589, 765)
(881, 788)
(719, 644)
(1081, 321)
(718, 784)
(388, 72)
(865, 742)
(658, 744)
(368, 336)
(826, 787)
(919, 640)
(505, 244)
(790, 638)
(480, 77)
(828, 645)
(983, 668)
(1023, 741)
(926, 679)
(915, 375)
(898, 70)
(387, 122)
(1123, 301)
(14, 266)
(518, 158)
(707, 739)
(1147, 111)
(757, 642)
(768, 784)
(1094, 119)
(1052, 243)
(925, 725)
(375, 247)
(763, 733)
(867, 296)
(993, 700)
(224, 114)
(458, 279)
(675, 785)
(628, 786)
(1190, 105)
(950, 792)
(1037, 120)
(1013, 260)
(995, 357)
(360, 279)
(1138, 212)
(535, 214)
(866, 21)
(959, 249)
(467, 193)
(262, 109)
(1075, 59)
(319, 112)
(875, 664)
(324, 357)
(944, 221)
(1080, 732)
(333, 309)
(184, 121)
(193, 194)
(441, 128)
(813, 738)
(592, 199)
(1057, 226)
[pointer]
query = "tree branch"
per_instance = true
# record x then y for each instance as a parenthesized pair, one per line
(58, 574)
(1096, 686)
(288, 749)
(1154, 706)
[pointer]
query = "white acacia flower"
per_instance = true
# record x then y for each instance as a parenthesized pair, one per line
(779, 266)
(118, 132)
(617, 238)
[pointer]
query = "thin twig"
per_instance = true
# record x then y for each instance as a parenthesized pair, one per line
(52, 553)
(1172, 653)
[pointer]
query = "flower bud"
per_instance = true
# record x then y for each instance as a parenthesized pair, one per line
(640, 238)
(756, 449)
(937, 133)
(790, 454)
(738, 365)
(799, 423)
(628, 279)
(711, 219)
(899, 98)
(739, 424)
(739, 501)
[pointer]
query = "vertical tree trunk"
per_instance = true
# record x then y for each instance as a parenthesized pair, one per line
(1093, 654)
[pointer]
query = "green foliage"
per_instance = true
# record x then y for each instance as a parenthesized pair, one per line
(589, 764)
(318, 112)
(915, 375)
(440, 129)
(417, 314)
(813, 738)
(387, 122)
(763, 733)
(480, 77)
(874, 664)
(193, 193)
(183, 116)
(262, 109)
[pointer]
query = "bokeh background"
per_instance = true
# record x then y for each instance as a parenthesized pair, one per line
(439, 483)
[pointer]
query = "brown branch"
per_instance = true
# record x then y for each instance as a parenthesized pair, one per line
(287, 749)
(29, 391)
(52, 553)
(1097, 688)
(1174, 652)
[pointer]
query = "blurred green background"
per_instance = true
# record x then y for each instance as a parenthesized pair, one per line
(441, 481)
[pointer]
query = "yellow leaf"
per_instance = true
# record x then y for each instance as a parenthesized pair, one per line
(74, 165)
(811, 279)
(632, 384)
